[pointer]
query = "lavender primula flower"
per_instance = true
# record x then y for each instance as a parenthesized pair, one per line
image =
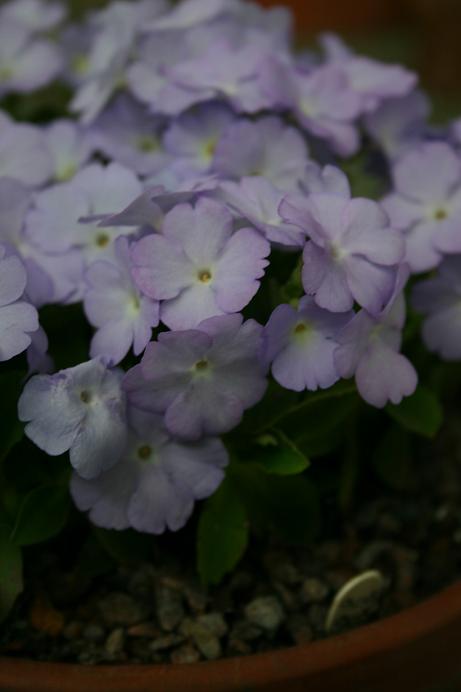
(198, 267)
(24, 153)
(369, 349)
(352, 254)
(34, 15)
(322, 101)
(157, 481)
(266, 148)
(69, 146)
(114, 305)
(193, 136)
(17, 317)
(202, 379)
(148, 77)
(300, 345)
(80, 409)
(257, 200)
(426, 203)
(399, 123)
(110, 52)
(371, 80)
(126, 133)
(327, 180)
(15, 199)
(235, 77)
(38, 358)
(26, 63)
(189, 13)
(439, 299)
(53, 224)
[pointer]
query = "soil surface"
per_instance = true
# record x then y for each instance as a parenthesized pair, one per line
(157, 612)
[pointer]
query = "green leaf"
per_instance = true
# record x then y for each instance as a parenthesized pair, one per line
(125, 546)
(276, 453)
(222, 535)
(42, 514)
(392, 459)
(11, 583)
(286, 505)
(420, 413)
(296, 415)
(11, 430)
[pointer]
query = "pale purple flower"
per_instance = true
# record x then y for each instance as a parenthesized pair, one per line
(114, 305)
(150, 207)
(190, 13)
(24, 153)
(234, 77)
(194, 136)
(300, 345)
(202, 379)
(257, 200)
(352, 254)
(399, 123)
(26, 63)
(53, 224)
(266, 147)
(38, 358)
(18, 319)
(371, 80)
(198, 267)
(80, 409)
(69, 146)
(426, 203)
(439, 299)
(157, 481)
(369, 349)
(109, 55)
(148, 77)
(15, 199)
(34, 15)
(322, 101)
(327, 180)
(126, 133)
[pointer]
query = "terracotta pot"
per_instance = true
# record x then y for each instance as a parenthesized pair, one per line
(338, 15)
(414, 651)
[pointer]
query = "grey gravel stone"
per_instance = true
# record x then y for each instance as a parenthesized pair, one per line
(167, 642)
(115, 643)
(169, 607)
(121, 609)
(245, 631)
(214, 622)
(265, 612)
(299, 629)
(313, 591)
(185, 654)
(93, 633)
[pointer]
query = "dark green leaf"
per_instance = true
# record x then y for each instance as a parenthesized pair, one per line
(392, 459)
(295, 416)
(420, 413)
(286, 505)
(10, 428)
(43, 514)
(10, 571)
(125, 546)
(276, 453)
(222, 534)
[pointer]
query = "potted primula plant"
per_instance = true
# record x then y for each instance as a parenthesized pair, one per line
(230, 333)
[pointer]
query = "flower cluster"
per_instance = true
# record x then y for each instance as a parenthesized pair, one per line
(207, 154)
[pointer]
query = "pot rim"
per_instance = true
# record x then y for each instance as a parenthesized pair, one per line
(281, 666)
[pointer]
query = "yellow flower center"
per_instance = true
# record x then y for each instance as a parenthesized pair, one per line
(144, 452)
(205, 276)
(102, 240)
